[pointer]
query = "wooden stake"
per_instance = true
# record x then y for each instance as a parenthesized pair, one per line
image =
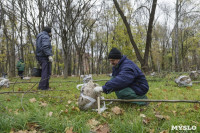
(98, 104)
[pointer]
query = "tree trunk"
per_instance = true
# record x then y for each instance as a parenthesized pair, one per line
(56, 58)
(99, 62)
(152, 61)
(65, 65)
(163, 56)
(92, 64)
(12, 45)
(21, 30)
(74, 61)
(194, 60)
(70, 63)
(176, 48)
(81, 66)
(149, 36)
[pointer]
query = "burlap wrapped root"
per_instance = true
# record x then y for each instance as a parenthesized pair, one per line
(88, 97)
(4, 82)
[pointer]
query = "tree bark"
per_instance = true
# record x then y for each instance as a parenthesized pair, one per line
(145, 67)
(12, 45)
(176, 42)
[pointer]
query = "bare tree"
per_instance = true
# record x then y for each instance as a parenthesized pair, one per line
(76, 27)
(143, 61)
(10, 37)
(176, 38)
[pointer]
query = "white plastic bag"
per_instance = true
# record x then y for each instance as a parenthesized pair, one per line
(87, 98)
(184, 81)
(4, 82)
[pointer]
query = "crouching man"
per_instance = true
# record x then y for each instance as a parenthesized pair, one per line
(128, 81)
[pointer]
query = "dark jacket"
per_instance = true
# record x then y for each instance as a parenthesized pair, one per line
(127, 74)
(20, 65)
(43, 45)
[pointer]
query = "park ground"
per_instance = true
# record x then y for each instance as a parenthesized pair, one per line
(24, 109)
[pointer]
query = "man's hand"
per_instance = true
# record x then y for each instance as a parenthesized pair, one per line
(98, 89)
(50, 59)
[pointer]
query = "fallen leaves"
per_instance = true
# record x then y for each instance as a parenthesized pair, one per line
(23, 131)
(103, 129)
(76, 96)
(69, 130)
(141, 109)
(165, 131)
(43, 104)
(50, 114)
(174, 112)
(32, 126)
(97, 127)
(69, 102)
(149, 94)
(159, 104)
(32, 100)
(92, 123)
(116, 110)
(9, 110)
(142, 115)
(189, 88)
(145, 120)
(66, 111)
(165, 90)
(76, 109)
(8, 100)
(163, 117)
(151, 130)
(106, 115)
(16, 111)
(182, 113)
(196, 106)
(19, 89)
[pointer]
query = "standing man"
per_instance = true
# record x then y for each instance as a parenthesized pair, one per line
(20, 68)
(44, 56)
(128, 81)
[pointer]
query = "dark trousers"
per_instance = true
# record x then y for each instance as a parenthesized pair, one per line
(128, 93)
(46, 73)
(20, 73)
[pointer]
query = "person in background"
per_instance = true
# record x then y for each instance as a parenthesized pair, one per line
(20, 68)
(128, 81)
(44, 56)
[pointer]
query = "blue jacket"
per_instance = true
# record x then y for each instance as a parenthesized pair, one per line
(127, 74)
(43, 45)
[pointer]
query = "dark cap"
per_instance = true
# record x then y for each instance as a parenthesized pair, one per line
(47, 29)
(114, 54)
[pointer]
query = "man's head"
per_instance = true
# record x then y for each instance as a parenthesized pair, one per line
(48, 30)
(114, 56)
